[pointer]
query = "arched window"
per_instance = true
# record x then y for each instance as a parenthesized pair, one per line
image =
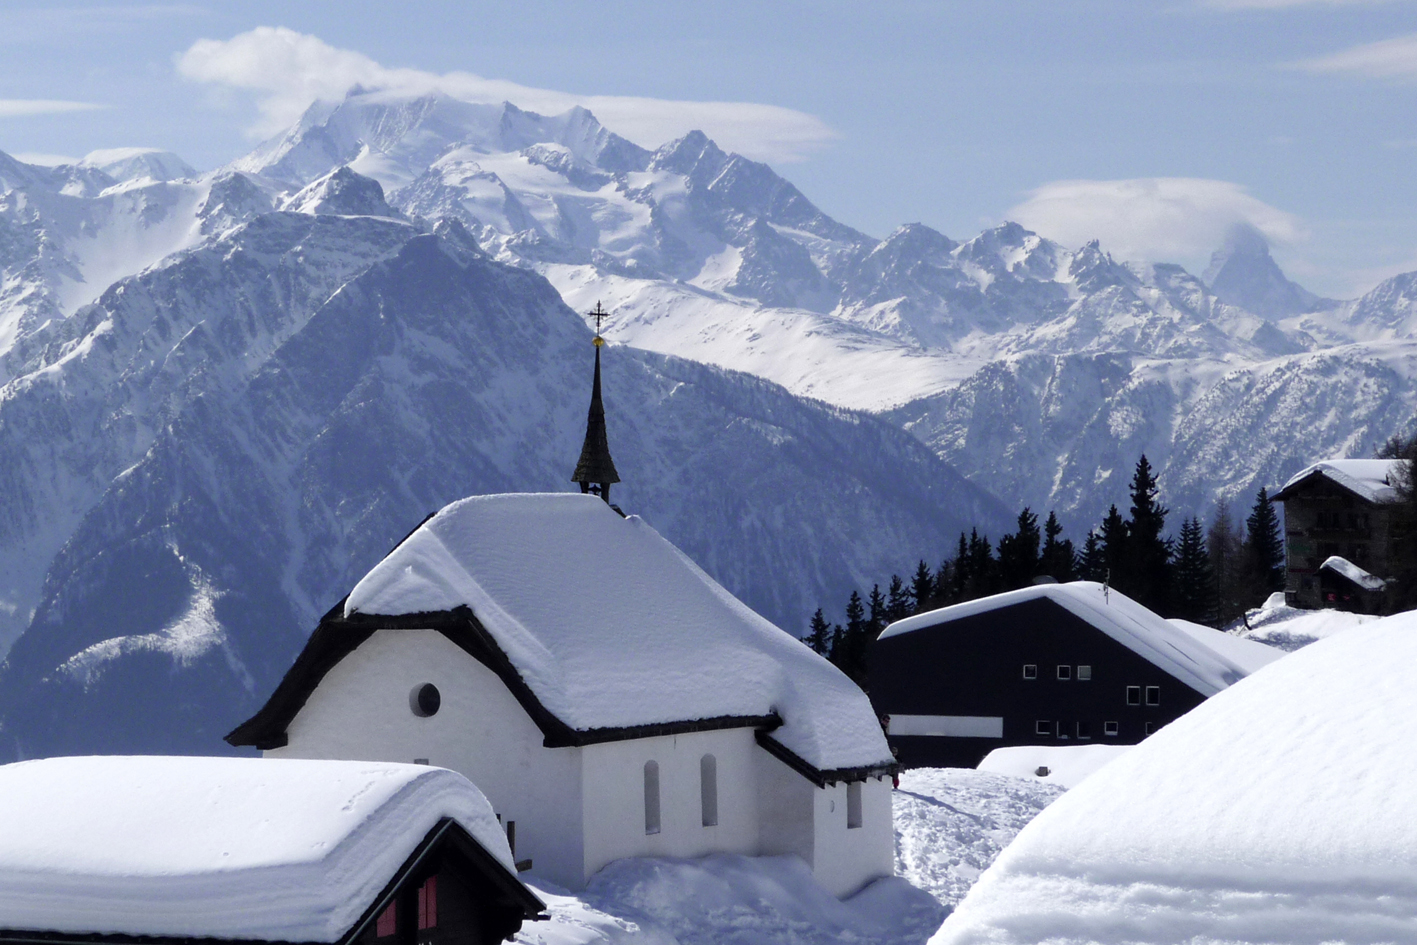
(651, 797)
(708, 789)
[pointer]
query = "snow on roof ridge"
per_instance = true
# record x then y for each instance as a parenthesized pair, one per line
(1188, 658)
(1369, 478)
(217, 847)
(611, 626)
(1364, 579)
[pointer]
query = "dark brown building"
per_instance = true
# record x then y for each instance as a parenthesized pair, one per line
(1055, 664)
(1337, 530)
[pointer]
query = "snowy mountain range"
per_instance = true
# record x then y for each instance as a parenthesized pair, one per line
(203, 461)
(225, 395)
(1039, 371)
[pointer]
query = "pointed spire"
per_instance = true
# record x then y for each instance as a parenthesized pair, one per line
(596, 470)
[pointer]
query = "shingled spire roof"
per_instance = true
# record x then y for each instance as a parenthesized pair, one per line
(595, 467)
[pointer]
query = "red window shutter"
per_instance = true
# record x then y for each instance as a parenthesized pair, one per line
(428, 904)
(387, 923)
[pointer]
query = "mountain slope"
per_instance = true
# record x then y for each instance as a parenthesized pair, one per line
(252, 426)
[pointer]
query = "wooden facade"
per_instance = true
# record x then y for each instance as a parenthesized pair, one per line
(1323, 518)
(1026, 673)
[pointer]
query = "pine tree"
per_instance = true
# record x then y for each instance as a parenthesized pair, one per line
(922, 588)
(897, 600)
(876, 618)
(962, 575)
(944, 584)
(983, 569)
(818, 634)
(1264, 548)
(1401, 594)
(1194, 597)
(1057, 557)
(1112, 537)
(1224, 543)
(1018, 553)
(1145, 572)
(1093, 561)
(853, 641)
(837, 651)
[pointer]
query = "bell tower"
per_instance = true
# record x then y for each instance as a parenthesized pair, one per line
(596, 470)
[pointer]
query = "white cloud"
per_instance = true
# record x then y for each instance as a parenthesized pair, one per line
(44, 159)
(289, 70)
(23, 107)
(1170, 219)
(1386, 59)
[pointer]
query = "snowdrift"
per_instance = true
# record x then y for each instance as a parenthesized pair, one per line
(1278, 811)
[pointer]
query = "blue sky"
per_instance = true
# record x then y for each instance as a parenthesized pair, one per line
(1149, 125)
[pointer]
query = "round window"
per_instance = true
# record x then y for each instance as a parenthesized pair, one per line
(424, 700)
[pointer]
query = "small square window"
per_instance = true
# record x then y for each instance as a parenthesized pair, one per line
(1030, 670)
(1150, 727)
(1062, 729)
(1043, 727)
(1109, 729)
(1084, 673)
(1065, 671)
(1084, 730)
(1134, 695)
(1153, 695)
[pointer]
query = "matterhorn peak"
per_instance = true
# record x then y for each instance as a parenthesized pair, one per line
(1244, 274)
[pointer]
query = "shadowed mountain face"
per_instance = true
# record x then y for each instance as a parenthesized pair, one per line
(212, 455)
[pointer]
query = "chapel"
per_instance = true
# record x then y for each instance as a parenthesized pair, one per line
(606, 694)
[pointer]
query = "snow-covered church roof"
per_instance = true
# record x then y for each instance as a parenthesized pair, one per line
(239, 848)
(1372, 479)
(1277, 811)
(1193, 658)
(610, 628)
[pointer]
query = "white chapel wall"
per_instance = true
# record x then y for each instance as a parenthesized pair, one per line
(614, 811)
(847, 858)
(361, 711)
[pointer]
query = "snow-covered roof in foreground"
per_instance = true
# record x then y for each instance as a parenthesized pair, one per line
(1278, 811)
(1195, 660)
(612, 626)
(247, 848)
(1352, 572)
(1370, 478)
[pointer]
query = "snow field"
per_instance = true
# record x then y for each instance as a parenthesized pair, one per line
(1278, 811)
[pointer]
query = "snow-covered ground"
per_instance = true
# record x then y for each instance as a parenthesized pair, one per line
(950, 824)
(729, 900)
(1062, 766)
(1289, 628)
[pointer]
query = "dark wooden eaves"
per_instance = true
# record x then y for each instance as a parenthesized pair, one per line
(819, 776)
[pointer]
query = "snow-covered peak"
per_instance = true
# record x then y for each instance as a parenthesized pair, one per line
(341, 192)
(1243, 273)
(125, 164)
(394, 137)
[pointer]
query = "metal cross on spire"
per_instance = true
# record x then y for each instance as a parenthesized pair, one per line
(599, 313)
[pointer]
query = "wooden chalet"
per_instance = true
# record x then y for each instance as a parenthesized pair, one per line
(1338, 520)
(1062, 664)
